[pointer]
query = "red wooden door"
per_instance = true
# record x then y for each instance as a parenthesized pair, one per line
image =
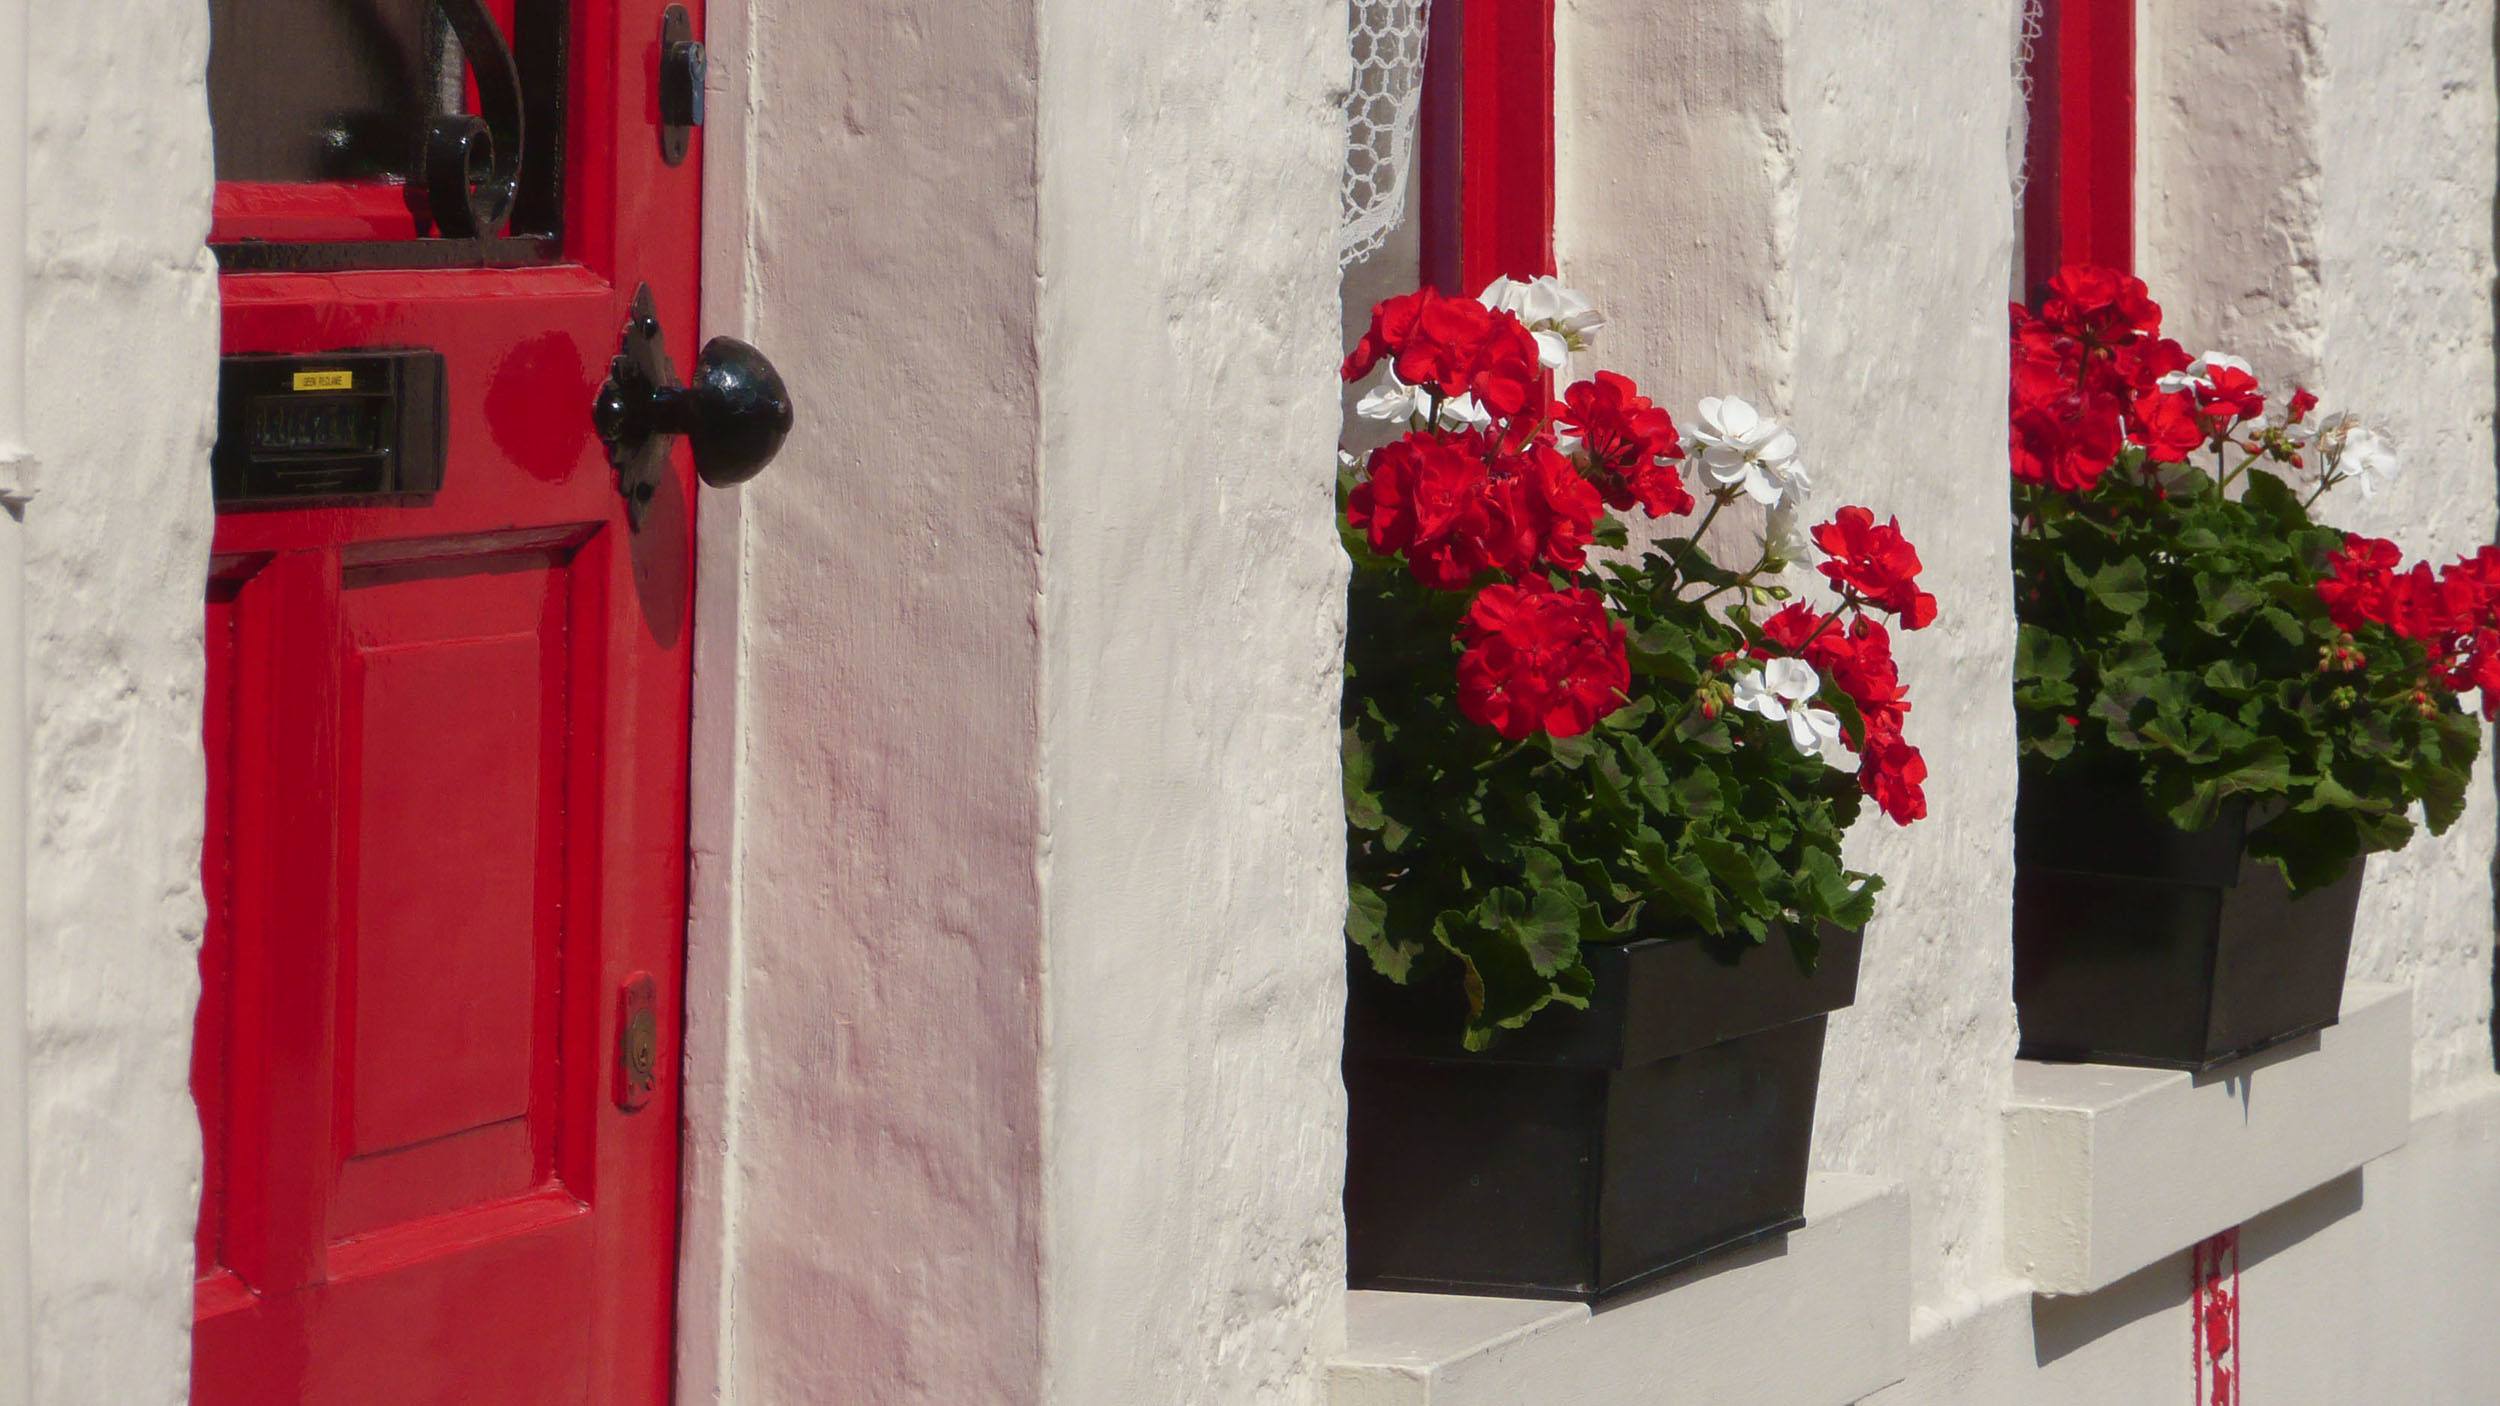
(447, 733)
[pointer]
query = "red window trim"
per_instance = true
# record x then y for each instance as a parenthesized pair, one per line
(1486, 180)
(2079, 204)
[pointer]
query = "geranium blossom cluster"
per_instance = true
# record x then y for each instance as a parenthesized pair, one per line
(2453, 613)
(2094, 378)
(1499, 488)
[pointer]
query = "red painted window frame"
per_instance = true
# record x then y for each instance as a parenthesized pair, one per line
(2079, 204)
(1485, 192)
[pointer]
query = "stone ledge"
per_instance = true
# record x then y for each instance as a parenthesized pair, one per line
(1820, 1321)
(2110, 1169)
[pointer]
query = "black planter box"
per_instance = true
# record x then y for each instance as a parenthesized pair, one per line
(1591, 1152)
(2138, 943)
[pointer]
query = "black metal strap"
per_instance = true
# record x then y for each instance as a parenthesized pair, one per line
(473, 167)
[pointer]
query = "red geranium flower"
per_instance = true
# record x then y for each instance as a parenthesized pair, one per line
(1856, 660)
(2479, 668)
(2230, 395)
(2082, 371)
(2166, 425)
(1538, 659)
(2358, 585)
(1425, 497)
(1627, 439)
(1457, 346)
(1455, 504)
(2100, 305)
(1876, 562)
(1544, 513)
(1792, 625)
(1893, 773)
(2139, 366)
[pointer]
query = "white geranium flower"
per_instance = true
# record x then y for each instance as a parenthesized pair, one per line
(2200, 372)
(1562, 319)
(1464, 413)
(1782, 691)
(1738, 446)
(1393, 399)
(1400, 403)
(1811, 729)
(2358, 454)
(1784, 535)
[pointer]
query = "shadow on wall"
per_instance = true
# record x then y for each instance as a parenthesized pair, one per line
(2063, 1324)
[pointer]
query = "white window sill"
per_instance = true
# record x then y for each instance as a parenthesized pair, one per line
(1821, 1321)
(2109, 1170)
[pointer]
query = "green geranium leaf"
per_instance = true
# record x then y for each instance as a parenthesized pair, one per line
(2121, 586)
(1732, 867)
(2038, 654)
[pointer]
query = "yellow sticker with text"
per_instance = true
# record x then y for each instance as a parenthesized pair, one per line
(325, 380)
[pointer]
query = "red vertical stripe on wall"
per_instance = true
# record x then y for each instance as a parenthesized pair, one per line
(1487, 177)
(2079, 205)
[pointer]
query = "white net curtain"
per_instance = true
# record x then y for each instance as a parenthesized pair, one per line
(1388, 52)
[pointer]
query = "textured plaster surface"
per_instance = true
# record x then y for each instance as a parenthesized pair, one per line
(865, 1121)
(122, 302)
(1021, 779)
(1192, 630)
(1904, 234)
(2229, 191)
(16, 1286)
(2373, 1287)
(1759, 219)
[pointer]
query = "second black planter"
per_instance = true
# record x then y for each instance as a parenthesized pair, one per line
(2138, 943)
(1592, 1152)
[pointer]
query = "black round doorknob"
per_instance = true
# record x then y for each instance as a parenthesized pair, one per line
(734, 412)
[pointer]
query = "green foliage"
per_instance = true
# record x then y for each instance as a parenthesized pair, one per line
(2173, 635)
(1500, 860)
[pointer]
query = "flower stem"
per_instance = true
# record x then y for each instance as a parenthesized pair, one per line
(1848, 599)
(1743, 579)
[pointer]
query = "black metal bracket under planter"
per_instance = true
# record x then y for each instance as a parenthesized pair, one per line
(1592, 1152)
(2138, 943)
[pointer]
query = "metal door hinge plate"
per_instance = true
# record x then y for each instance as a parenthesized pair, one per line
(682, 65)
(637, 1041)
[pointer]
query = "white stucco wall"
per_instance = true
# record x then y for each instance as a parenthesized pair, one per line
(864, 1222)
(1758, 219)
(1904, 236)
(1017, 957)
(16, 1284)
(1192, 629)
(122, 305)
(1016, 951)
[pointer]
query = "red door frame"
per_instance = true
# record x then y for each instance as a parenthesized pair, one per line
(1486, 196)
(2079, 205)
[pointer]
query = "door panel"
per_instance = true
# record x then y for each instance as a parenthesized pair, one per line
(447, 759)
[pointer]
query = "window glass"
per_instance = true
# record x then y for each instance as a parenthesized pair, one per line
(325, 90)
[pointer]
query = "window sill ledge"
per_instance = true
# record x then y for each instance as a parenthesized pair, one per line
(2110, 1169)
(1822, 1319)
